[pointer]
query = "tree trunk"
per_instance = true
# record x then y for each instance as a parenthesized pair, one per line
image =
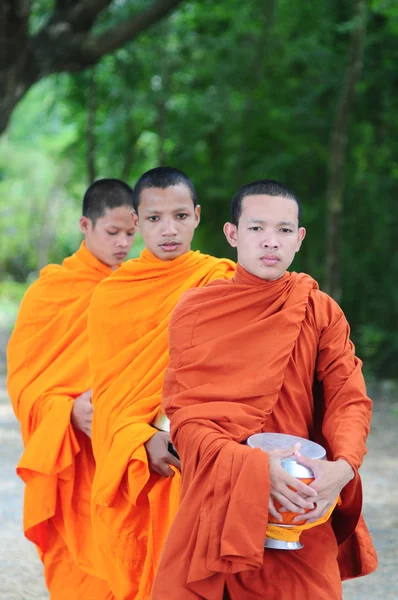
(262, 49)
(338, 147)
(91, 110)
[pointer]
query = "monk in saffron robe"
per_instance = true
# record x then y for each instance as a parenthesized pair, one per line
(137, 482)
(264, 352)
(50, 388)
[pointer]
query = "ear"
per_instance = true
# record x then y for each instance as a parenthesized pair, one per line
(84, 224)
(301, 235)
(231, 233)
(197, 215)
(135, 220)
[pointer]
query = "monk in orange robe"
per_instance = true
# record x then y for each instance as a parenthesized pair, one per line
(137, 482)
(50, 388)
(264, 352)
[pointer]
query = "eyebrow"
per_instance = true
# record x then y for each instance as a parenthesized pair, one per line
(261, 222)
(289, 223)
(118, 227)
(158, 212)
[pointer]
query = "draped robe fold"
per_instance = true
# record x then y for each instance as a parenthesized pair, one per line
(250, 356)
(47, 369)
(128, 330)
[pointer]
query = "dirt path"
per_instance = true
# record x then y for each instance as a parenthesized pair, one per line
(21, 571)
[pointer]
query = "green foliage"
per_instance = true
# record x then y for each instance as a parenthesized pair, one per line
(229, 92)
(11, 294)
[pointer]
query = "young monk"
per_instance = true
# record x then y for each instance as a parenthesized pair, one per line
(245, 357)
(50, 387)
(137, 482)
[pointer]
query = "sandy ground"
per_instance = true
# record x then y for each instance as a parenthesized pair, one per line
(21, 571)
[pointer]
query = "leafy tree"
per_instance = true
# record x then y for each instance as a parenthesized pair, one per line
(42, 37)
(230, 92)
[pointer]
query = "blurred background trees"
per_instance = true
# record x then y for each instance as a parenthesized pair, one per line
(229, 92)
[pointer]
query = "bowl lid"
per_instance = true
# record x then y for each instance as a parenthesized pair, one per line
(282, 441)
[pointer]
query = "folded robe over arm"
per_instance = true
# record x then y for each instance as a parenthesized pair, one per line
(244, 356)
(128, 331)
(47, 369)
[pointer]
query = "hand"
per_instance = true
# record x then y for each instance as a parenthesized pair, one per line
(281, 484)
(159, 457)
(82, 413)
(330, 478)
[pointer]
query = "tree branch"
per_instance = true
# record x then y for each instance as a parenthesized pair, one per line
(96, 46)
(64, 44)
(81, 14)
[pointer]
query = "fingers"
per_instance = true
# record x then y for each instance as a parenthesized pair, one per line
(163, 469)
(172, 460)
(286, 480)
(293, 502)
(286, 453)
(303, 489)
(272, 510)
(159, 456)
(162, 466)
(293, 494)
(314, 515)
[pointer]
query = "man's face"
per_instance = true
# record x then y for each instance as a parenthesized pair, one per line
(267, 236)
(167, 220)
(112, 236)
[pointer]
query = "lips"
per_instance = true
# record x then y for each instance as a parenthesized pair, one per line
(270, 259)
(121, 254)
(170, 246)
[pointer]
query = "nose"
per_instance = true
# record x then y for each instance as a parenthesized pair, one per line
(123, 241)
(270, 240)
(169, 227)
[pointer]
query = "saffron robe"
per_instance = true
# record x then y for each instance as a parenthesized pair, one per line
(47, 369)
(244, 357)
(128, 330)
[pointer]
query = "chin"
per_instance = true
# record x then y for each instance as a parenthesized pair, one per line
(171, 255)
(112, 263)
(267, 274)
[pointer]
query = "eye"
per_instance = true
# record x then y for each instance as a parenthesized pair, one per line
(131, 234)
(153, 218)
(286, 230)
(111, 232)
(182, 216)
(255, 228)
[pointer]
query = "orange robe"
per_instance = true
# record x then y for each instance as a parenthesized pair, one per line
(47, 369)
(244, 357)
(128, 330)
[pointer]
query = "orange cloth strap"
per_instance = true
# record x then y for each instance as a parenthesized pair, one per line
(292, 533)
